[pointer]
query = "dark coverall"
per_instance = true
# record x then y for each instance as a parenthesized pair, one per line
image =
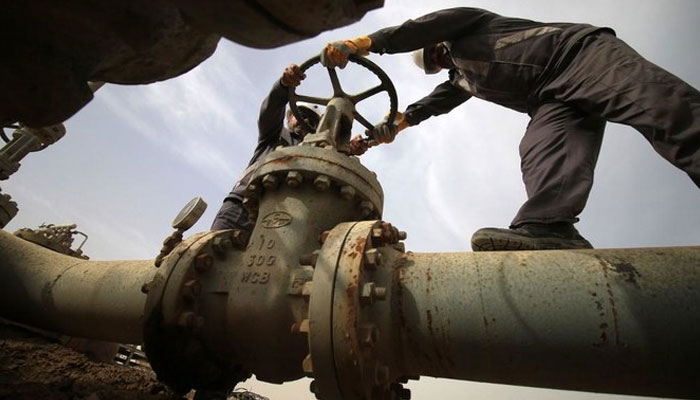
(570, 79)
(271, 134)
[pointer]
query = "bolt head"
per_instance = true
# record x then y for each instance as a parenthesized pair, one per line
(322, 183)
(270, 182)
(191, 289)
(347, 192)
(367, 293)
(373, 259)
(294, 178)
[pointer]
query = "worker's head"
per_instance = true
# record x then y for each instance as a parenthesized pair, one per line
(311, 115)
(433, 58)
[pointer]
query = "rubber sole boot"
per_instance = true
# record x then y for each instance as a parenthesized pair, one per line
(497, 239)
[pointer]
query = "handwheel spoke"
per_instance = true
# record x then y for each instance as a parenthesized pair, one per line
(337, 90)
(367, 93)
(362, 120)
(312, 99)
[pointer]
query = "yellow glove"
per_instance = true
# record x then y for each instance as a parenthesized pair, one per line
(336, 54)
(386, 131)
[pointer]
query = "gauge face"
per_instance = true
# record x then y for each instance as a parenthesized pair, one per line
(190, 214)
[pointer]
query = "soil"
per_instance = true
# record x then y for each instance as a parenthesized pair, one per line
(36, 367)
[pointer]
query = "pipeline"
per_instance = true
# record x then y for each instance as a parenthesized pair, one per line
(323, 288)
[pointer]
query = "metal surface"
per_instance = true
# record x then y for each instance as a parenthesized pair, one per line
(24, 141)
(212, 289)
(340, 109)
(615, 321)
(91, 299)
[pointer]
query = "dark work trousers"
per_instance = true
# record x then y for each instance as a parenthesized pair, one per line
(232, 215)
(605, 80)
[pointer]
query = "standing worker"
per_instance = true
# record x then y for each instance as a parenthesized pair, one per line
(271, 134)
(570, 78)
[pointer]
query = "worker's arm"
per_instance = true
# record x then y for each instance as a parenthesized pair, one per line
(272, 109)
(427, 30)
(430, 29)
(443, 99)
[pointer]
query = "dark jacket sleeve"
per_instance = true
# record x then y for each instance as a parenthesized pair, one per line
(271, 118)
(441, 100)
(429, 29)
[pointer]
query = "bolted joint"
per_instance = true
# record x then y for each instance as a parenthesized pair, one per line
(294, 178)
(370, 293)
(373, 259)
(270, 182)
(191, 289)
(322, 183)
(203, 263)
(366, 208)
(347, 192)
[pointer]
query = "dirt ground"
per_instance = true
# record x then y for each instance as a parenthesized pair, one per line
(38, 368)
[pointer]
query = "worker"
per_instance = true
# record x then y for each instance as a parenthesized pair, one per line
(569, 78)
(272, 134)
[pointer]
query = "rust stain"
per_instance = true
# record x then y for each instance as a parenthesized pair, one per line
(628, 271)
(611, 300)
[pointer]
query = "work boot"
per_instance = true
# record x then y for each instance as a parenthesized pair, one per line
(532, 236)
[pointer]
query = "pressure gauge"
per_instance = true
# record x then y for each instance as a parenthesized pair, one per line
(190, 214)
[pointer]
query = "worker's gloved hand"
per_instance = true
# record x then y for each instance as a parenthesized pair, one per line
(292, 76)
(358, 145)
(336, 54)
(386, 131)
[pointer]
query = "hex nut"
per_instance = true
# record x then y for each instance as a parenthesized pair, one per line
(270, 182)
(322, 183)
(347, 192)
(373, 258)
(191, 289)
(294, 178)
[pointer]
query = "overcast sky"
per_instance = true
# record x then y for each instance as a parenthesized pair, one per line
(135, 155)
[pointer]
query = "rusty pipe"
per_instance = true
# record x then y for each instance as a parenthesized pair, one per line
(615, 321)
(91, 299)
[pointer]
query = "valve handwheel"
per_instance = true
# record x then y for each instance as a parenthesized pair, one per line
(385, 85)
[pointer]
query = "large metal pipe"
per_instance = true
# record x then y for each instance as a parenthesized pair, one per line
(52, 291)
(616, 321)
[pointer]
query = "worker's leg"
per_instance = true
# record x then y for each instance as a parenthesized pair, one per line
(558, 156)
(610, 79)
